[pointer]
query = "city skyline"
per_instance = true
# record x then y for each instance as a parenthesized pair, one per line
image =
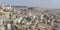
(39, 3)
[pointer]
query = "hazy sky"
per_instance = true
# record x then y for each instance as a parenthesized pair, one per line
(42, 3)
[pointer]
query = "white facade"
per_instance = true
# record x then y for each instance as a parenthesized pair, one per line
(8, 26)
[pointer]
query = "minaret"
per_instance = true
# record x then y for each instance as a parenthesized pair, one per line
(3, 6)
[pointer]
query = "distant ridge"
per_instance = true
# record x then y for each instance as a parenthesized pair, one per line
(20, 6)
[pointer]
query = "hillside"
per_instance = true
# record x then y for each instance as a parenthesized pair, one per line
(31, 18)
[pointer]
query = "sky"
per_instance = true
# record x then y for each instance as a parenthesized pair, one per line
(39, 3)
